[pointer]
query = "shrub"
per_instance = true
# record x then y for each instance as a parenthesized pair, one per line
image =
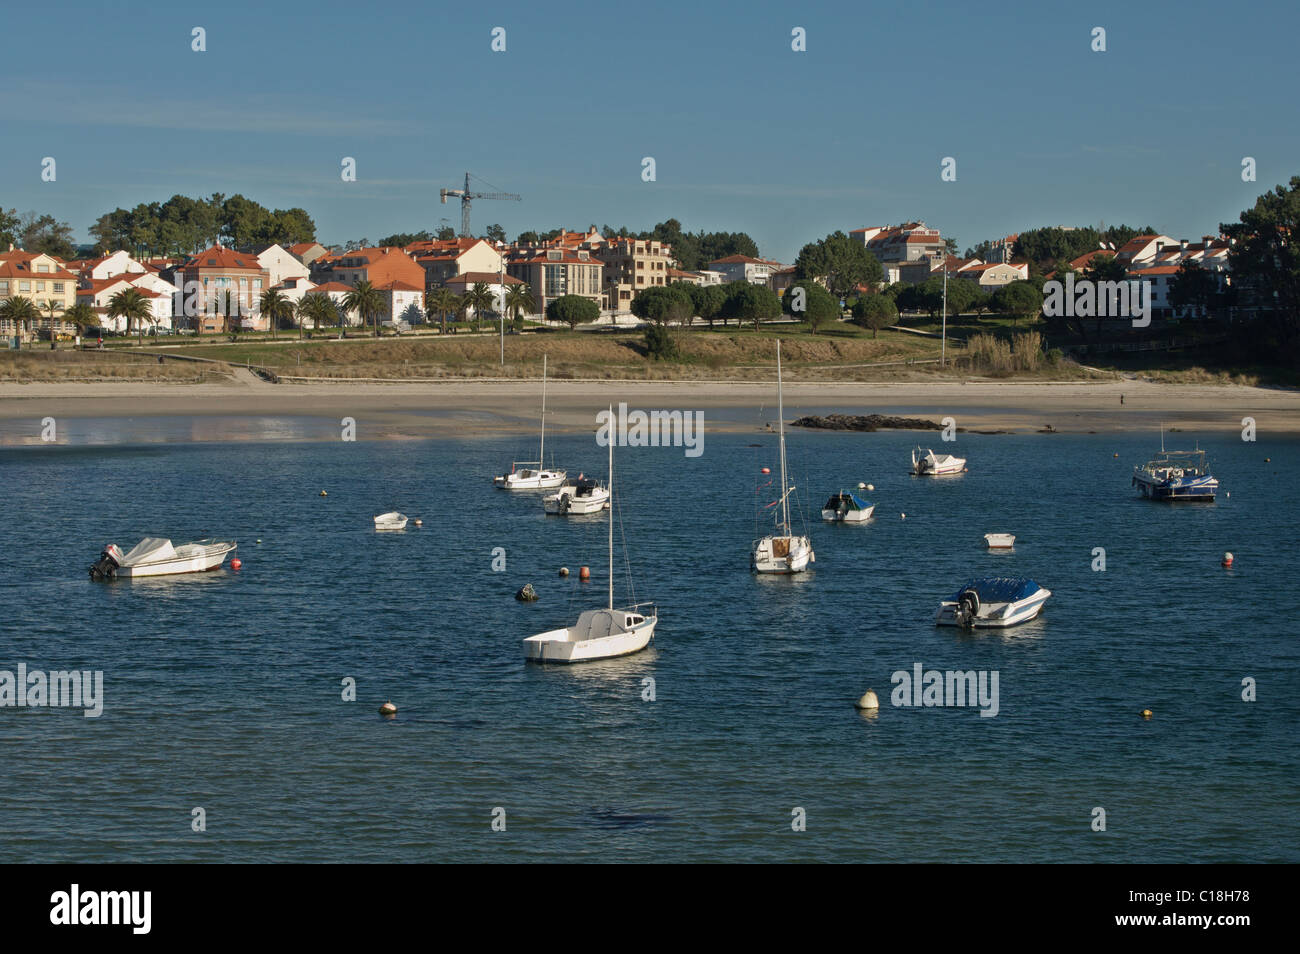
(660, 343)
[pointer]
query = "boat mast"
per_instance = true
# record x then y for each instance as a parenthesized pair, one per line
(780, 420)
(610, 489)
(541, 454)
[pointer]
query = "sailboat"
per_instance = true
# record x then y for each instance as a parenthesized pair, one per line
(598, 633)
(533, 474)
(782, 552)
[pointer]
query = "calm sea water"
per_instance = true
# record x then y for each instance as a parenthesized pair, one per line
(224, 690)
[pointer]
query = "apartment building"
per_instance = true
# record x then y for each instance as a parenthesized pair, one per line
(633, 265)
(226, 275)
(555, 272)
(42, 278)
(742, 268)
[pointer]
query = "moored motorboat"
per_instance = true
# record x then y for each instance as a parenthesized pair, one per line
(931, 464)
(847, 507)
(577, 496)
(995, 601)
(391, 521)
(1176, 475)
(155, 556)
(1000, 541)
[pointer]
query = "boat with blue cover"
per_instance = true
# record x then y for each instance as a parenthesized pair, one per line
(846, 507)
(1176, 475)
(993, 601)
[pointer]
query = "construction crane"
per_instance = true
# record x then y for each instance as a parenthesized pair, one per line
(466, 197)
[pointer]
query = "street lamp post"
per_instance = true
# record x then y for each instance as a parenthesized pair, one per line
(503, 312)
(943, 333)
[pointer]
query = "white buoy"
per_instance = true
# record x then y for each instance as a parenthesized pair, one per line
(871, 486)
(388, 709)
(861, 485)
(419, 522)
(902, 516)
(323, 494)
(564, 571)
(868, 700)
(1227, 559)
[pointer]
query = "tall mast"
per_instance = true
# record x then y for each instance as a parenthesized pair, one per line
(541, 454)
(780, 421)
(610, 488)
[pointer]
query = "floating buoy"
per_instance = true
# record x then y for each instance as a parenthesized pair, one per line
(767, 470)
(259, 539)
(868, 700)
(861, 486)
(1146, 713)
(871, 486)
(584, 573)
(902, 516)
(1117, 455)
(1227, 559)
(419, 522)
(236, 563)
(1268, 460)
(526, 594)
(323, 494)
(564, 571)
(388, 709)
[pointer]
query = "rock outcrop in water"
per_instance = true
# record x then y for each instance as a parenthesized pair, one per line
(866, 422)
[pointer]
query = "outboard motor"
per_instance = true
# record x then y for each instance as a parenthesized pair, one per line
(968, 607)
(105, 568)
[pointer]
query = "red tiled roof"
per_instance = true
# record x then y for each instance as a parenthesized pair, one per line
(224, 258)
(487, 278)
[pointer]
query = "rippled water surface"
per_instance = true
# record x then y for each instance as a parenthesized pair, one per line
(224, 690)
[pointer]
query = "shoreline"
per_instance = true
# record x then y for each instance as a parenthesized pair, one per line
(512, 406)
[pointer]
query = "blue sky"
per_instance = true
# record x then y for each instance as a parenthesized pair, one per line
(747, 135)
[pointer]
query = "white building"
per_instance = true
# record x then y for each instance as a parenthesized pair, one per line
(281, 265)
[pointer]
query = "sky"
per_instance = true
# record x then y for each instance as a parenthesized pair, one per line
(746, 133)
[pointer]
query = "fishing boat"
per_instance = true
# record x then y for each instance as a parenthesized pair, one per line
(847, 508)
(993, 602)
(782, 552)
(155, 556)
(1176, 475)
(931, 464)
(581, 496)
(599, 633)
(391, 521)
(533, 474)
(1000, 541)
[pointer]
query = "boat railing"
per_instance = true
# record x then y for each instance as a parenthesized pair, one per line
(653, 611)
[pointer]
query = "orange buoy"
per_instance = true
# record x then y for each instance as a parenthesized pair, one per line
(584, 573)
(767, 470)
(236, 563)
(1227, 559)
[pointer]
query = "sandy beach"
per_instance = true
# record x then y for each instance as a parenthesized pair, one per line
(486, 406)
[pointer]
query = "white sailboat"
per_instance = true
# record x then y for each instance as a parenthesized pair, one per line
(598, 633)
(782, 552)
(533, 474)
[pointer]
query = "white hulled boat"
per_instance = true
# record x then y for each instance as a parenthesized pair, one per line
(995, 601)
(391, 521)
(1176, 475)
(931, 464)
(846, 507)
(782, 552)
(533, 474)
(580, 496)
(155, 556)
(1000, 541)
(598, 633)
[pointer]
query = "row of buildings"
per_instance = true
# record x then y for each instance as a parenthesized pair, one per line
(609, 271)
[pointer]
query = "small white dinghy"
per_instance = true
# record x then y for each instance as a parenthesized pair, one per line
(931, 464)
(598, 633)
(391, 521)
(1000, 541)
(155, 556)
(996, 601)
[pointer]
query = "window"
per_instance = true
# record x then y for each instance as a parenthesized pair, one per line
(25, 286)
(58, 288)
(40, 286)
(4, 288)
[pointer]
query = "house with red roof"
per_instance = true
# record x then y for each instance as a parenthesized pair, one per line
(224, 279)
(743, 268)
(552, 273)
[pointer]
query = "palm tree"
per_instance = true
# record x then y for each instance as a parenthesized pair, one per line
(317, 307)
(481, 299)
(276, 307)
(442, 302)
(520, 298)
(366, 300)
(81, 316)
(52, 305)
(21, 311)
(130, 304)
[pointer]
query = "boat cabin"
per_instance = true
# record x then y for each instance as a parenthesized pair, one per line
(594, 624)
